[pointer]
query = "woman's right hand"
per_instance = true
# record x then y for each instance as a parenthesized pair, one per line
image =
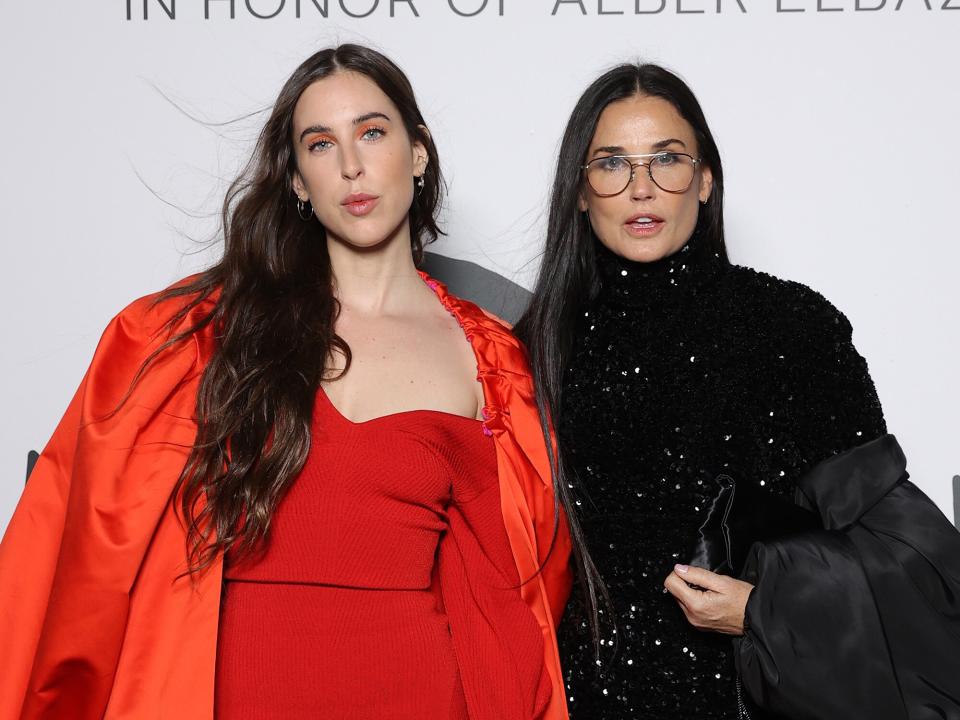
(719, 607)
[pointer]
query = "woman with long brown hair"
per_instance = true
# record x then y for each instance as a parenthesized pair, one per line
(307, 482)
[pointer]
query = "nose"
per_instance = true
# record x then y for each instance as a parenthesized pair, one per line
(641, 187)
(350, 165)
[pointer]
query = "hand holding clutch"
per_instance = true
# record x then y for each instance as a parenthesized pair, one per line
(717, 603)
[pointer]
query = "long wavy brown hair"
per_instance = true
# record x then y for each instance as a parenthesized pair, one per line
(272, 318)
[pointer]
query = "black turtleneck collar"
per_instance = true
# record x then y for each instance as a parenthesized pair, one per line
(627, 282)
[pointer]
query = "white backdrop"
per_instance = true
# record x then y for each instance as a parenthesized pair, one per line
(839, 127)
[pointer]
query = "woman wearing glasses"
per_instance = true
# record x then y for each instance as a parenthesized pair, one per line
(306, 482)
(665, 366)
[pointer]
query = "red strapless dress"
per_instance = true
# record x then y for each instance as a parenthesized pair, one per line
(387, 588)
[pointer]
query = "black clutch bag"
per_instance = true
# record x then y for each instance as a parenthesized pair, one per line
(740, 515)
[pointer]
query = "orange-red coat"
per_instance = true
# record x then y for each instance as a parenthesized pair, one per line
(96, 619)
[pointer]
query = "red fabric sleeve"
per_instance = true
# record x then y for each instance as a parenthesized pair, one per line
(497, 639)
(28, 557)
(75, 546)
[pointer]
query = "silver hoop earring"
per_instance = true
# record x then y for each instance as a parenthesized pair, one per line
(302, 207)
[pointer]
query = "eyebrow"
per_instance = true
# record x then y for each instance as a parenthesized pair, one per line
(657, 147)
(356, 121)
(666, 143)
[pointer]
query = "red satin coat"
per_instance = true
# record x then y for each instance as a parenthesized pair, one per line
(96, 619)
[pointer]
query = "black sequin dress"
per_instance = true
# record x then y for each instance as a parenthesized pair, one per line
(684, 369)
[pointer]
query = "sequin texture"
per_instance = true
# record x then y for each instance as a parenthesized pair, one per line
(682, 370)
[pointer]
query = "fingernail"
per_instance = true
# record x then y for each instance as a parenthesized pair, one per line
(682, 569)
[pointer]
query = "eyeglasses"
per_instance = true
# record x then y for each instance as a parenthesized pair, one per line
(672, 172)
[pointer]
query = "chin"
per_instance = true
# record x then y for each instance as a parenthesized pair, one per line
(364, 243)
(373, 236)
(647, 251)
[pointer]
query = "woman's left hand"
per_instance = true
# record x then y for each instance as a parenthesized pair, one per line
(719, 606)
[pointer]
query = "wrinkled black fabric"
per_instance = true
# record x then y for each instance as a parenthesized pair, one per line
(861, 619)
(740, 515)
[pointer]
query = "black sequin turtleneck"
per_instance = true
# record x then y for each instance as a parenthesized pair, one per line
(681, 370)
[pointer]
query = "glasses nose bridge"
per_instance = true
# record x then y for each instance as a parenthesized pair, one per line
(633, 172)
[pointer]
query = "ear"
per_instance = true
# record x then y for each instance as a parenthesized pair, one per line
(706, 183)
(582, 202)
(298, 187)
(421, 158)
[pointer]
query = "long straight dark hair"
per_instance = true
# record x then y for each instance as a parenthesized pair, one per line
(568, 278)
(272, 317)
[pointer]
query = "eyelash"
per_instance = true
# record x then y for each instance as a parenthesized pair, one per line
(372, 128)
